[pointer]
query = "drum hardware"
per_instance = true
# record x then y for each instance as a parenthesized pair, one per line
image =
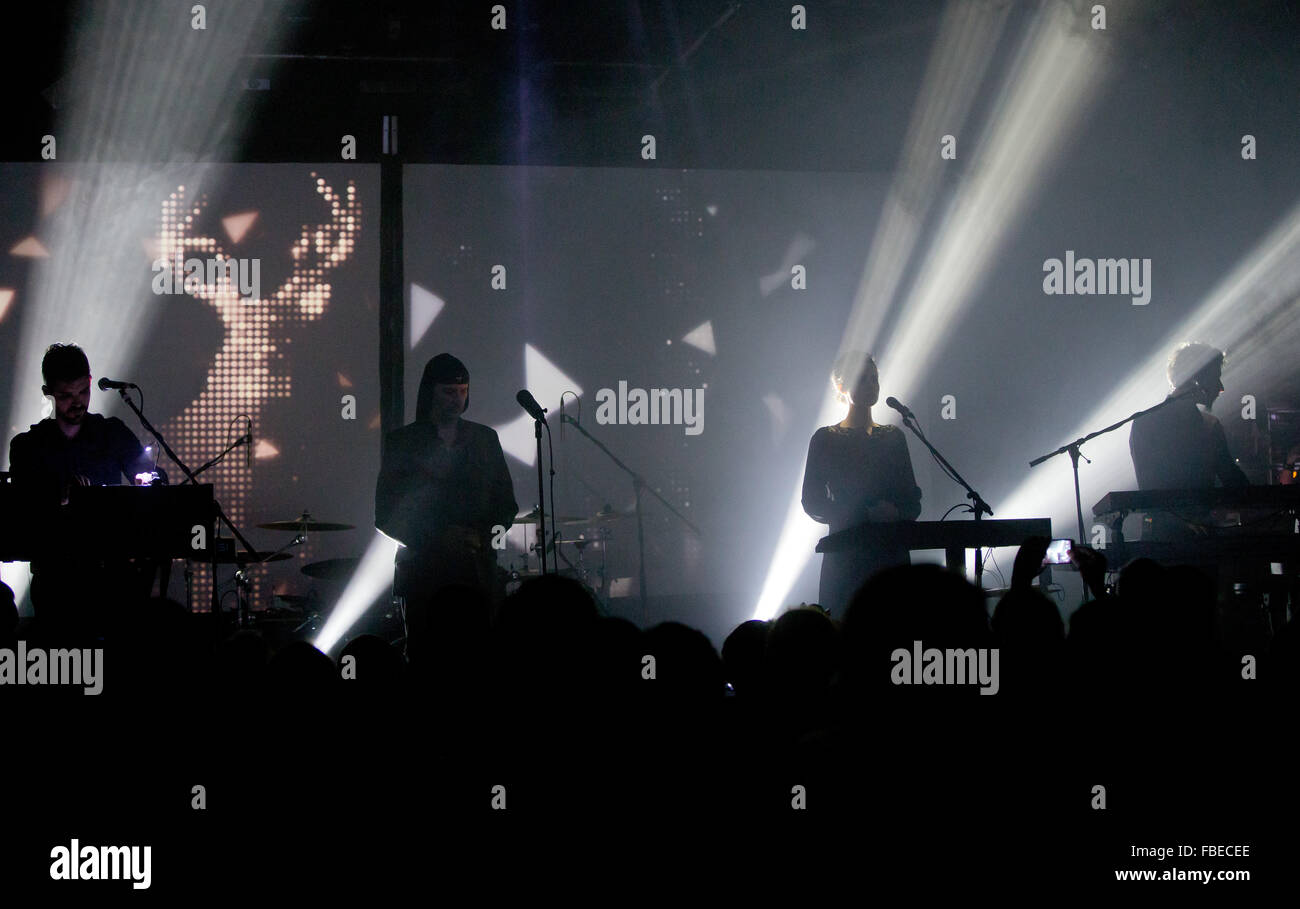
(328, 570)
(608, 513)
(579, 572)
(244, 583)
(305, 523)
(243, 558)
(530, 517)
(243, 587)
(295, 602)
(331, 569)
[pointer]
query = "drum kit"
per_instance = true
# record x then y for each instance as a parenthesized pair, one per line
(305, 610)
(595, 536)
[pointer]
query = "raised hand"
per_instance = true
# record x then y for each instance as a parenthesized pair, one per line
(1092, 568)
(1029, 561)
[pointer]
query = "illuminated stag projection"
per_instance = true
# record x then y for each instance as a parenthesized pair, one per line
(251, 367)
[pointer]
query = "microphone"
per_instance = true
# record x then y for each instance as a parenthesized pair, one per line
(529, 403)
(561, 418)
(248, 451)
(893, 402)
(106, 384)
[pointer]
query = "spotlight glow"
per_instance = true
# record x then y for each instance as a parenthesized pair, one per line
(799, 534)
(547, 382)
(134, 108)
(374, 576)
(1055, 71)
(1251, 314)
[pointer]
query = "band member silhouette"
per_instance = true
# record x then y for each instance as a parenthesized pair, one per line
(443, 485)
(73, 447)
(1182, 445)
(858, 471)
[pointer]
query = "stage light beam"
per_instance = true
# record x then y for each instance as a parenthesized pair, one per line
(1054, 73)
(374, 576)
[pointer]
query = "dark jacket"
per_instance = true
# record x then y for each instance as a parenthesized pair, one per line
(45, 462)
(851, 470)
(414, 505)
(1181, 446)
(848, 472)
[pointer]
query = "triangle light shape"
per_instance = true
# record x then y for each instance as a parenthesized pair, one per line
(425, 306)
(702, 338)
(547, 382)
(30, 248)
(237, 225)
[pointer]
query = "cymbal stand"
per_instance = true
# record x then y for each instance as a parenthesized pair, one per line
(244, 583)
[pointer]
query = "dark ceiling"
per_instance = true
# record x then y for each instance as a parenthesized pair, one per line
(719, 83)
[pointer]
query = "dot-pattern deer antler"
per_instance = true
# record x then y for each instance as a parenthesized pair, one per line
(250, 368)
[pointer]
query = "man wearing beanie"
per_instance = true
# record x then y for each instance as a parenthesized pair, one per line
(443, 485)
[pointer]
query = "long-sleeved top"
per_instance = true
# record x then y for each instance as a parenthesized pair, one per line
(850, 470)
(426, 486)
(1181, 446)
(45, 462)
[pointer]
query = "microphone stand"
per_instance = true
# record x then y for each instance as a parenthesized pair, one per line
(638, 485)
(541, 497)
(243, 585)
(978, 506)
(1075, 454)
(212, 549)
(243, 440)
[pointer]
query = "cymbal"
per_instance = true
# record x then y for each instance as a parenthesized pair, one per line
(292, 599)
(306, 524)
(530, 517)
(537, 572)
(244, 557)
(331, 569)
(274, 615)
(579, 545)
(609, 514)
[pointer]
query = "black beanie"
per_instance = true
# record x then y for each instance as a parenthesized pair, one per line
(444, 369)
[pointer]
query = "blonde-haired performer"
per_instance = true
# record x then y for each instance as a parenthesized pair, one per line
(858, 471)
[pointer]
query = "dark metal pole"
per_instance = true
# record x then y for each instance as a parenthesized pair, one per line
(392, 295)
(541, 501)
